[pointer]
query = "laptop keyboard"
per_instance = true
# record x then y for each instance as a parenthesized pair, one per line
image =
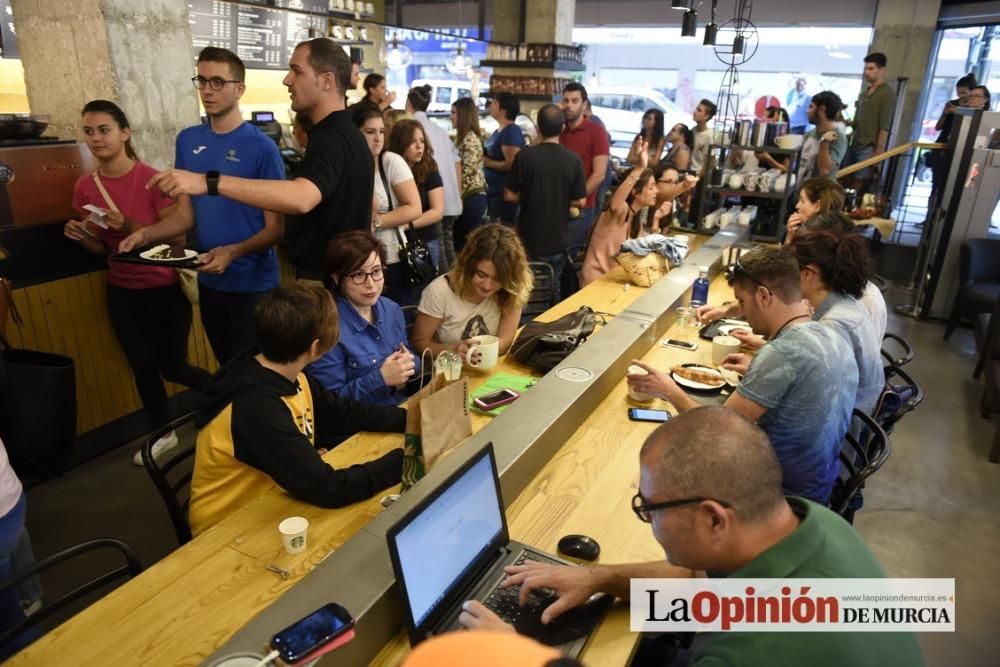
(504, 601)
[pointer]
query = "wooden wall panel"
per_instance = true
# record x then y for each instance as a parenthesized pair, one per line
(69, 317)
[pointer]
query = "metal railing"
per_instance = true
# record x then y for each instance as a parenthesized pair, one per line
(905, 180)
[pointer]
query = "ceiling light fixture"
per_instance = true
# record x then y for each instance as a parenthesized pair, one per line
(689, 26)
(458, 62)
(711, 28)
(681, 4)
(395, 54)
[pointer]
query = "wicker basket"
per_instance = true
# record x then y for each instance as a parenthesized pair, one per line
(643, 271)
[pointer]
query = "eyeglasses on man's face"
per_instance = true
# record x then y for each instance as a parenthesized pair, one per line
(361, 277)
(215, 83)
(644, 510)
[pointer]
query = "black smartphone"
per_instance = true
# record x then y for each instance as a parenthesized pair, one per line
(496, 399)
(683, 344)
(643, 415)
(312, 632)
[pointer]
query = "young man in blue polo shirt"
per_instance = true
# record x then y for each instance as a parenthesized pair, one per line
(238, 240)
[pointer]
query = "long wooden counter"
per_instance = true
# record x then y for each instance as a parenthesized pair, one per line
(190, 604)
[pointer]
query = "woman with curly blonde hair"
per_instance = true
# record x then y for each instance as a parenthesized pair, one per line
(483, 294)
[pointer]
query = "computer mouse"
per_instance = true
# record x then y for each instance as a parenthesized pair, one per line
(580, 547)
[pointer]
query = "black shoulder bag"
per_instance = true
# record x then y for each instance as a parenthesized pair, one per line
(420, 267)
(543, 345)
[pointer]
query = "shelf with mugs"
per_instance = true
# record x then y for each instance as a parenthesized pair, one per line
(349, 9)
(524, 97)
(725, 190)
(561, 65)
(773, 150)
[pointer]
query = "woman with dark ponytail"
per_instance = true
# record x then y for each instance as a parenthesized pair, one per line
(834, 270)
(149, 313)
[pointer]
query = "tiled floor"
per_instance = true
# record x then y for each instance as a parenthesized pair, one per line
(933, 511)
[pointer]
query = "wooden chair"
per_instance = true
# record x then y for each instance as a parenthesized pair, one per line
(131, 568)
(864, 454)
(171, 476)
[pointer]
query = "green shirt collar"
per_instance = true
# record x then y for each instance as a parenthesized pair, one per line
(788, 555)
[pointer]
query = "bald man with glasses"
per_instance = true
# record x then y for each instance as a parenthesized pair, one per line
(710, 488)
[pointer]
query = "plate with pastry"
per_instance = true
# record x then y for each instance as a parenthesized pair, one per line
(698, 377)
(164, 253)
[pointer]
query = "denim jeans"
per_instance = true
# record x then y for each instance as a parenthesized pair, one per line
(473, 212)
(500, 210)
(434, 247)
(447, 243)
(557, 262)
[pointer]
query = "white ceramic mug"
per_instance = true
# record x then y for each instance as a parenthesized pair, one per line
(723, 346)
(489, 349)
(638, 396)
(736, 181)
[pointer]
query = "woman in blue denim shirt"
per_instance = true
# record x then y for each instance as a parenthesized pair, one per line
(373, 359)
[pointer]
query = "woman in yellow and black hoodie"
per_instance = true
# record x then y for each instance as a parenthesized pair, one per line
(265, 418)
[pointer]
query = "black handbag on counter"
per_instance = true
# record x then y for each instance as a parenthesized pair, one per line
(37, 410)
(543, 345)
(416, 257)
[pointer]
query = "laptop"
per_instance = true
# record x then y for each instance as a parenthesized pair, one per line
(453, 546)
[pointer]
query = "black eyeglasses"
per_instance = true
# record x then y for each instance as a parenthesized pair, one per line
(643, 510)
(215, 83)
(738, 269)
(361, 277)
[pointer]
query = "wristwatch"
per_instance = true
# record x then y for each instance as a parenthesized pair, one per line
(212, 181)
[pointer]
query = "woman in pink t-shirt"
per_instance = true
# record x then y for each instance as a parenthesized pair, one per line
(149, 313)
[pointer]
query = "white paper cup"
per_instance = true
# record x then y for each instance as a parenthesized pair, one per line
(293, 534)
(489, 348)
(723, 346)
(638, 396)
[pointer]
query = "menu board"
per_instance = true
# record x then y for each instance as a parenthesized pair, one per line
(211, 24)
(263, 36)
(260, 37)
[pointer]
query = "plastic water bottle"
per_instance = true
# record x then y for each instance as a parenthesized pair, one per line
(699, 290)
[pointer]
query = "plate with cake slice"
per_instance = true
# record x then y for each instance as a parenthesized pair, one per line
(164, 253)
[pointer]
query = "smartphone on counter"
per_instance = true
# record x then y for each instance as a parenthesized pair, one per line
(312, 632)
(682, 344)
(496, 399)
(643, 415)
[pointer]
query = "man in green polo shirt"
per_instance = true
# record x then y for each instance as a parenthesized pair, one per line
(735, 522)
(872, 117)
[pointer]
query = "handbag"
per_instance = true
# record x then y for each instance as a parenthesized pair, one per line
(188, 278)
(543, 345)
(414, 253)
(37, 409)
(437, 421)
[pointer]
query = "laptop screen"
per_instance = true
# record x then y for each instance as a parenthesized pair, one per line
(446, 539)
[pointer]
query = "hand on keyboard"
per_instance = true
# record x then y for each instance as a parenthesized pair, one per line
(475, 616)
(572, 586)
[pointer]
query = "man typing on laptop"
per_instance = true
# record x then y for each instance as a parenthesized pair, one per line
(710, 486)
